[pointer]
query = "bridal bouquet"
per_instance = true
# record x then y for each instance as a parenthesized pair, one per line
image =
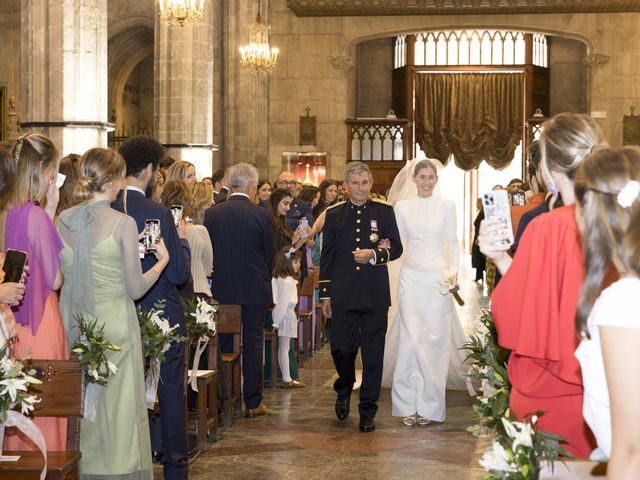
(519, 455)
(201, 319)
(449, 282)
(91, 349)
(157, 337)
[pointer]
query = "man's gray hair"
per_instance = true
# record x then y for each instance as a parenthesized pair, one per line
(354, 168)
(242, 174)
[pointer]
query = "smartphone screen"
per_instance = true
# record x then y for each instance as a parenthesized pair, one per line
(304, 224)
(176, 211)
(151, 233)
(496, 204)
(60, 180)
(14, 262)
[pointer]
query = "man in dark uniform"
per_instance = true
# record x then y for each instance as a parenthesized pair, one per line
(354, 288)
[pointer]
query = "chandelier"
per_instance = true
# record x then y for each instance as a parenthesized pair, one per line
(181, 11)
(258, 56)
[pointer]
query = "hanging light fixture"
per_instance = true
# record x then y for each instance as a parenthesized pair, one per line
(258, 56)
(181, 11)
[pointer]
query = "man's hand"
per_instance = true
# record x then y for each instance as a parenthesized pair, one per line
(363, 256)
(384, 243)
(326, 307)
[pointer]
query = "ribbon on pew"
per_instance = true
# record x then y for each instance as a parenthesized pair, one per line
(193, 378)
(31, 430)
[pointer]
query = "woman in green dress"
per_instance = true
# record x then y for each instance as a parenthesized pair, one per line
(103, 276)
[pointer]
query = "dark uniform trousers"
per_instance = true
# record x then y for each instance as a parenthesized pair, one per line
(351, 330)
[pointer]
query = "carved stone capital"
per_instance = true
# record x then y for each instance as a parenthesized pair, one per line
(597, 59)
(342, 62)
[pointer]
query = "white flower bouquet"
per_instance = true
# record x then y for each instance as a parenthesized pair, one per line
(201, 319)
(157, 337)
(15, 381)
(519, 455)
(448, 283)
(91, 348)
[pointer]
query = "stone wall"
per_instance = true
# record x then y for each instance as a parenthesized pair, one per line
(10, 64)
(567, 61)
(375, 63)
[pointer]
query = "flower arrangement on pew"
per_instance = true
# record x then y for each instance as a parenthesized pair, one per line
(488, 361)
(15, 381)
(157, 337)
(201, 319)
(91, 348)
(518, 448)
(519, 455)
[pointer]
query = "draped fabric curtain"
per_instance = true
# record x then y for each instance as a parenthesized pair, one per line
(472, 116)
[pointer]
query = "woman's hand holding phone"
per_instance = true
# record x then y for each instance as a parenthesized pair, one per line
(11, 293)
(492, 242)
(162, 254)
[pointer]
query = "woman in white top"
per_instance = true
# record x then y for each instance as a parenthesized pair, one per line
(428, 328)
(176, 193)
(607, 187)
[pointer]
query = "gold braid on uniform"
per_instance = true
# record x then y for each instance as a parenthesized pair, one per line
(384, 202)
(336, 205)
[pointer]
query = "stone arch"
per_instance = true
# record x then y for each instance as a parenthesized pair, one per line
(127, 49)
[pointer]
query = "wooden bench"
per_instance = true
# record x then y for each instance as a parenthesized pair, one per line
(62, 395)
(230, 322)
(206, 407)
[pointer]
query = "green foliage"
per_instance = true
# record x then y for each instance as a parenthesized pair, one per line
(157, 336)
(91, 348)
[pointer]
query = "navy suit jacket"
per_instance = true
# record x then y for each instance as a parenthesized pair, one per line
(140, 208)
(348, 227)
(242, 239)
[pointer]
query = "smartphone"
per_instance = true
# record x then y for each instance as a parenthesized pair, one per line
(304, 224)
(176, 211)
(60, 180)
(518, 199)
(496, 204)
(14, 262)
(151, 234)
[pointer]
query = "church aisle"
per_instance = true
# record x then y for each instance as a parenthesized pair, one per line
(301, 438)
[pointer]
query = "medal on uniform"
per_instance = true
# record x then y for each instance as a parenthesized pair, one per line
(374, 231)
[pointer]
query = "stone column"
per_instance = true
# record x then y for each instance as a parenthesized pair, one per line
(64, 72)
(184, 89)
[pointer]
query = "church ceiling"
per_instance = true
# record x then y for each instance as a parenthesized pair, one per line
(311, 8)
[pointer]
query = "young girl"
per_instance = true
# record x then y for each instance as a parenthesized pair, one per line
(284, 283)
(607, 187)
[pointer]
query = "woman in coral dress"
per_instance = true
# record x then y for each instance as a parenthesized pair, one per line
(29, 228)
(534, 305)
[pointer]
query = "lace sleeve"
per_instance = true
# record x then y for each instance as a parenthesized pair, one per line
(136, 282)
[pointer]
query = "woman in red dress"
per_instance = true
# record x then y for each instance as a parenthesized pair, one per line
(534, 306)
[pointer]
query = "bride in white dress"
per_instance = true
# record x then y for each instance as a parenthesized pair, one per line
(422, 344)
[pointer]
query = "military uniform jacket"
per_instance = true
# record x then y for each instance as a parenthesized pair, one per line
(349, 227)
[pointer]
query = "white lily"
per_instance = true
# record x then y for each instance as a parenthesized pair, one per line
(205, 313)
(12, 385)
(497, 459)
(28, 404)
(520, 433)
(112, 367)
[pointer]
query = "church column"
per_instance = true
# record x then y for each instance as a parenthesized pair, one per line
(64, 72)
(184, 90)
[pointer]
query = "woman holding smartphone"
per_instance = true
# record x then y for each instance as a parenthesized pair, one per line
(101, 263)
(29, 228)
(534, 305)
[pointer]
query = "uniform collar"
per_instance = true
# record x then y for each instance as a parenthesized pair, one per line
(354, 206)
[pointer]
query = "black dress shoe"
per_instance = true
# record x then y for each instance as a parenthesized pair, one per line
(343, 404)
(367, 424)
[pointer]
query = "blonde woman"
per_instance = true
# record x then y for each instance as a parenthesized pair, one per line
(29, 228)
(101, 263)
(182, 171)
(202, 194)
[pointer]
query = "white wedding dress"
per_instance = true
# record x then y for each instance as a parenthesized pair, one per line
(422, 353)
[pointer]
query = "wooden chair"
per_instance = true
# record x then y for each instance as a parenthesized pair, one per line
(230, 322)
(62, 395)
(305, 317)
(206, 407)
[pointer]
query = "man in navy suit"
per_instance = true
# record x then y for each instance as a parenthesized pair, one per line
(298, 208)
(142, 156)
(242, 239)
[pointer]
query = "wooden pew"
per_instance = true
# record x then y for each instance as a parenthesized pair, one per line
(305, 317)
(62, 395)
(230, 322)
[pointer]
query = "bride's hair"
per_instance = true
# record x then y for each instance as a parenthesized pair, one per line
(426, 163)
(609, 225)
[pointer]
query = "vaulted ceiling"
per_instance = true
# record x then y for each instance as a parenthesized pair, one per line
(310, 8)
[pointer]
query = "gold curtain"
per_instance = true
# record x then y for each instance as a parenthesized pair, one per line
(472, 116)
